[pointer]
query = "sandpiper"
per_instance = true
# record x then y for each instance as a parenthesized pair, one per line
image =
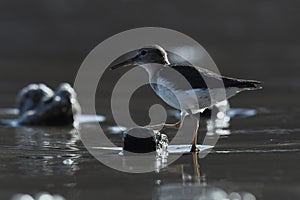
(155, 61)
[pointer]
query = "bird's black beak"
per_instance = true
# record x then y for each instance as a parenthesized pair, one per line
(126, 63)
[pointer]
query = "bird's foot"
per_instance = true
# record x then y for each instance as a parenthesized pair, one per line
(195, 149)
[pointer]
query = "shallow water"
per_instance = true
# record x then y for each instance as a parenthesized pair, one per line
(257, 157)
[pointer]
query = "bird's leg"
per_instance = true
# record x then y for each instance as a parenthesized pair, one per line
(194, 143)
(156, 127)
(164, 126)
(178, 124)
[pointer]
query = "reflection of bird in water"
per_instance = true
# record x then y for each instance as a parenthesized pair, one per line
(184, 86)
(194, 184)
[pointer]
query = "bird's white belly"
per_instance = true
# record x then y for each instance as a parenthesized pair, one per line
(185, 100)
(194, 100)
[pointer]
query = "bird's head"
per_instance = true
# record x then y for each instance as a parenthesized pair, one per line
(145, 55)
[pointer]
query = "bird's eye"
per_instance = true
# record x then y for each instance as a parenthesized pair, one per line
(143, 52)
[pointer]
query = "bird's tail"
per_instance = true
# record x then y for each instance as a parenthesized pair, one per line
(250, 84)
(242, 84)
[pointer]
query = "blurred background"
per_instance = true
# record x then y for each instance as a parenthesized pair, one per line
(47, 40)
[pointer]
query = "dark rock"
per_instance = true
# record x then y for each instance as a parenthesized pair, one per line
(31, 96)
(143, 140)
(39, 105)
(139, 140)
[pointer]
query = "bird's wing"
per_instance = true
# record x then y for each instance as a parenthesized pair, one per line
(199, 77)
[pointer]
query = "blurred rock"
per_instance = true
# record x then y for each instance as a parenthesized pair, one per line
(32, 95)
(39, 105)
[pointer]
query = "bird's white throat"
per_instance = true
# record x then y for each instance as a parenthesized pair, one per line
(153, 71)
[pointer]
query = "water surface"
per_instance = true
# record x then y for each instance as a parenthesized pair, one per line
(258, 155)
